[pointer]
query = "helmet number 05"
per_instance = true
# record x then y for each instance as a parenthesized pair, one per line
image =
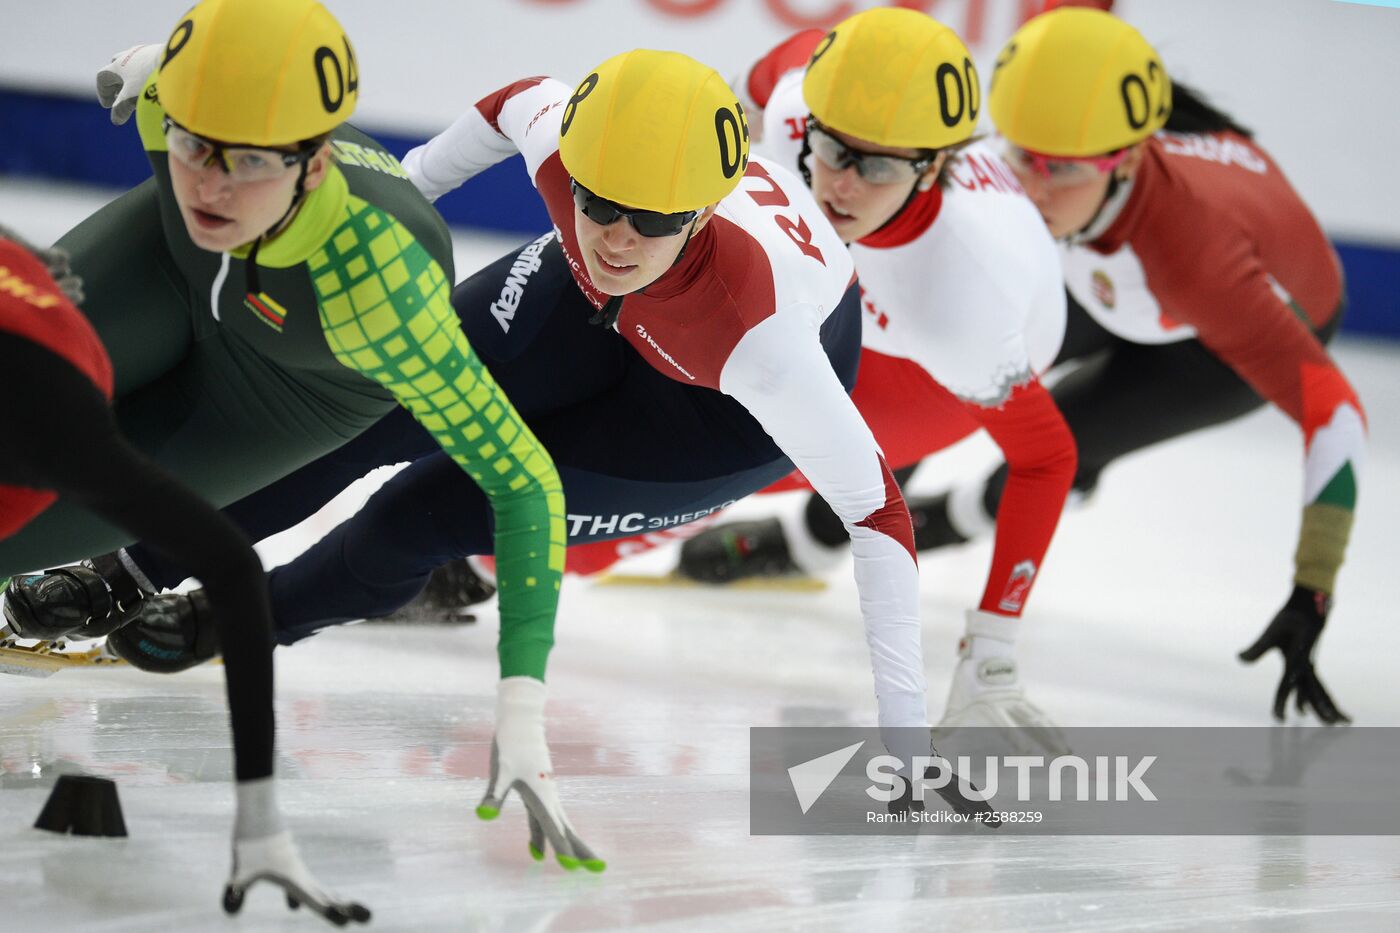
(732, 128)
(1139, 94)
(328, 69)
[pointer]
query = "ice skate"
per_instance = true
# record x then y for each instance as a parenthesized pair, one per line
(172, 632)
(451, 591)
(90, 599)
(746, 554)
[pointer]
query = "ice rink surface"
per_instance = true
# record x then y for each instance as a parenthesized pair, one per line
(384, 732)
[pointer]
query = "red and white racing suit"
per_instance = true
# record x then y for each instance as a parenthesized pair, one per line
(741, 313)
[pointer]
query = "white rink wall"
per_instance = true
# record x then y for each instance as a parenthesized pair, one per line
(1317, 79)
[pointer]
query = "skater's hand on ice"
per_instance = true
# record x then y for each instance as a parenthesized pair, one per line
(520, 762)
(275, 859)
(1294, 632)
(120, 82)
(913, 746)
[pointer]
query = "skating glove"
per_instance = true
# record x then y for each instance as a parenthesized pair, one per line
(1294, 632)
(275, 859)
(986, 691)
(520, 762)
(120, 82)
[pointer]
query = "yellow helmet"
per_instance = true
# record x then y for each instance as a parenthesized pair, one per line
(656, 131)
(894, 77)
(258, 72)
(1078, 82)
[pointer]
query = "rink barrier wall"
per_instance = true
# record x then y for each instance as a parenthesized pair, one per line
(73, 140)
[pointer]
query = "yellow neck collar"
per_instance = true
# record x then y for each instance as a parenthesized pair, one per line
(317, 217)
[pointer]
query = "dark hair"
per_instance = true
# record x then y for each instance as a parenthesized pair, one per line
(1192, 113)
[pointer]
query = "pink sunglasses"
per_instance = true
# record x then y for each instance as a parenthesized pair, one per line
(1040, 163)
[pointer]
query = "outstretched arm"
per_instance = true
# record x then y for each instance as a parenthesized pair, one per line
(1266, 338)
(502, 124)
(406, 336)
(779, 372)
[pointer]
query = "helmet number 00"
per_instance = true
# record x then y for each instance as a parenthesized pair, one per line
(964, 84)
(1138, 95)
(346, 81)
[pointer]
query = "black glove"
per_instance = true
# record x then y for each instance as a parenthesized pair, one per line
(1294, 632)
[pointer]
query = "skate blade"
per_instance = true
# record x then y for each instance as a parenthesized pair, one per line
(45, 661)
(793, 584)
(424, 617)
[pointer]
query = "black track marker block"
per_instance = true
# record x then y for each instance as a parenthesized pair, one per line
(84, 806)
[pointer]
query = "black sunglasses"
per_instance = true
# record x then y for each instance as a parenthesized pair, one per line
(647, 223)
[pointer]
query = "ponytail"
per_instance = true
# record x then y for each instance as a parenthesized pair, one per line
(1192, 113)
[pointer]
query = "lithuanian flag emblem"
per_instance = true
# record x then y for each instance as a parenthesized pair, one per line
(268, 311)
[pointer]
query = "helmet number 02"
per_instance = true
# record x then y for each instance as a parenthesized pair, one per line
(1139, 94)
(1003, 60)
(346, 81)
(964, 84)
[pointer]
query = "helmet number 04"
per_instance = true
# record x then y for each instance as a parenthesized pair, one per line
(329, 68)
